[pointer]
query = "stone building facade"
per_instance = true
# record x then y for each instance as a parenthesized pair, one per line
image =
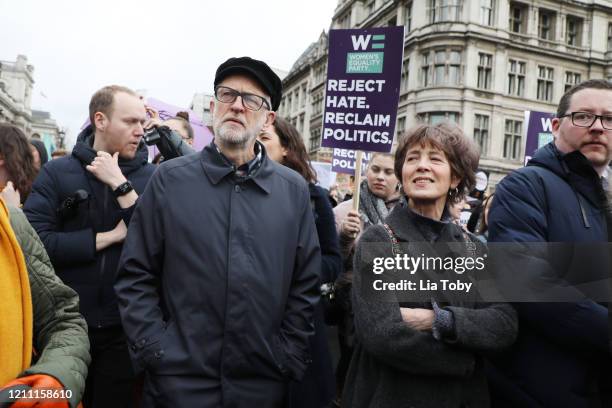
(479, 63)
(200, 104)
(45, 128)
(16, 82)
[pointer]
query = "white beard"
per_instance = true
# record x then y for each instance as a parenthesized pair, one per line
(232, 135)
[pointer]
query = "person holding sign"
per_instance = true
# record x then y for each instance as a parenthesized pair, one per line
(284, 145)
(427, 354)
(379, 194)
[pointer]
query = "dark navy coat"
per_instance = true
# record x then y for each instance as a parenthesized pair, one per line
(561, 356)
(70, 239)
(317, 388)
(218, 281)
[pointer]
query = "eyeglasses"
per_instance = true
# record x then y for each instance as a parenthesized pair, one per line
(587, 119)
(249, 101)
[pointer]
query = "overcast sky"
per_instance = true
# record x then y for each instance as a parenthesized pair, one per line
(169, 48)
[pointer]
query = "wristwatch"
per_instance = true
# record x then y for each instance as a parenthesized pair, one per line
(123, 189)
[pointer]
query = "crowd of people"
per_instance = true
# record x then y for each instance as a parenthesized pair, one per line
(230, 278)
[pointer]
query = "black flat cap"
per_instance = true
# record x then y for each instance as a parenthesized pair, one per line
(258, 70)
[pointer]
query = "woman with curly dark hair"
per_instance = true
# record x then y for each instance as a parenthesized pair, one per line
(17, 169)
(284, 145)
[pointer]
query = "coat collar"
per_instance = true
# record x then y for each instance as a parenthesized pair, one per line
(85, 153)
(409, 226)
(217, 168)
(575, 169)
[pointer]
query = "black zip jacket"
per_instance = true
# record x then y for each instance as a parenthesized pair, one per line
(69, 235)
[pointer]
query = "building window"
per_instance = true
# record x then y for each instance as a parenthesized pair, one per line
(369, 8)
(320, 104)
(485, 66)
(518, 18)
(486, 12)
(400, 127)
(433, 118)
(609, 36)
(571, 79)
(573, 31)
(512, 139)
(304, 95)
(405, 76)
(546, 26)
(441, 67)
(317, 103)
(444, 10)
(545, 83)
(315, 139)
(516, 78)
(344, 21)
(481, 133)
(408, 16)
(425, 70)
(320, 74)
(454, 67)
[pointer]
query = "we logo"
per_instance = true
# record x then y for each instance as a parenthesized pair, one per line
(364, 62)
(361, 42)
(546, 124)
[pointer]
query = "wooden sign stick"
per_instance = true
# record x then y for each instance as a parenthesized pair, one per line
(357, 185)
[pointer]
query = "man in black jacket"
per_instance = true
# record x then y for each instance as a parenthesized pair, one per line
(80, 206)
(561, 357)
(219, 274)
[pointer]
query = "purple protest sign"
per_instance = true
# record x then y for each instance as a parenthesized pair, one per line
(343, 161)
(362, 88)
(201, 135)
(538, 133)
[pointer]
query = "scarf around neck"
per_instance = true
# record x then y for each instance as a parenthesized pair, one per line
(15, 304)
(372, 208)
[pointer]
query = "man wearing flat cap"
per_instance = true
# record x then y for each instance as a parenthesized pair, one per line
(218, 278)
